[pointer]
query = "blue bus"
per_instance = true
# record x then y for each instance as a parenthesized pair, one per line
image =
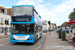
(26, 24)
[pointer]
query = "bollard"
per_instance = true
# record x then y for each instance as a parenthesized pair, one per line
(63, 38)
(59, 34)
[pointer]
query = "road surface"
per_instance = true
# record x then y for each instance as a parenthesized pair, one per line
(6, 45)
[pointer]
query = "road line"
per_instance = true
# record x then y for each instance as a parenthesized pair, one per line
(45, 41)
(3, 44)
(39, 44)
(0, 44)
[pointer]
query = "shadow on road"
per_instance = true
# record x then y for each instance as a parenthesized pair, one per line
(23, 44)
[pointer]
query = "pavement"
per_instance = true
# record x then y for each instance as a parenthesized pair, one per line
(54, 43)
(4, 36)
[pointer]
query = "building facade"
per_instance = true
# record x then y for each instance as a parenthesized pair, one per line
(5, 27)
(44, 25)
(53, 26)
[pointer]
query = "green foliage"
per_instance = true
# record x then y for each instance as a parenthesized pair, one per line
(72, 15)
(2, 23)
(64, 23)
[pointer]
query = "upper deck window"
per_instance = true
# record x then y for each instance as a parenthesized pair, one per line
(22, 10)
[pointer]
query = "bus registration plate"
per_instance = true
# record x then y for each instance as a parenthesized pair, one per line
(21, 41)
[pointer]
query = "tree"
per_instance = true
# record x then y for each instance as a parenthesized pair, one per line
(64, 23)
(72, 15)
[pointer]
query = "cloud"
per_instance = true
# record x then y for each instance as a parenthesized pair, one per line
(28, 2)
(62, 11)
(40, 0)
(41, 8)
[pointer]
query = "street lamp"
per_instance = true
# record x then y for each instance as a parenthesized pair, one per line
(49, 26)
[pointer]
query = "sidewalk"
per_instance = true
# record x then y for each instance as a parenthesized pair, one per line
(4, 36)
(54, 43)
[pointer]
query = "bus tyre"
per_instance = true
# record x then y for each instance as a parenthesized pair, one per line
(36, 37)
(34, 40)
(41, 36)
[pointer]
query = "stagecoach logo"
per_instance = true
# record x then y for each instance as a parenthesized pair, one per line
(20, 37)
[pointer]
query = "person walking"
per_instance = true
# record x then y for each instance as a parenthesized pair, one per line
(73, 38)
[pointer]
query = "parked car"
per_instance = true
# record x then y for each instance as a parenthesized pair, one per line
(49, 30)
(57, 31)
(52, 29)
(67, 30)
(45, 30)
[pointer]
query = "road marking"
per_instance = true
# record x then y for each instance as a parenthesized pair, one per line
(45, 41)
(4, 39)
(3, 44)
(39, 44)
(0, 44)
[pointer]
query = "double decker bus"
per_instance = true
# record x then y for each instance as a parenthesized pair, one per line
(26, 24)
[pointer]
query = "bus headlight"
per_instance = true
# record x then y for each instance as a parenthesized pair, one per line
(29, 39)
(12, 39)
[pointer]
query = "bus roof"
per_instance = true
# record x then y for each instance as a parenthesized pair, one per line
(22, 5)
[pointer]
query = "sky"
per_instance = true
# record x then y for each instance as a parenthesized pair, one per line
(57, 11)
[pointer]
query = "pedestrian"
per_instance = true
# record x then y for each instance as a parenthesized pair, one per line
(73, 38)
(55, 31)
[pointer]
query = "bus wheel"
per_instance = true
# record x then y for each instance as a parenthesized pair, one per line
(41, 36)
(34, 40)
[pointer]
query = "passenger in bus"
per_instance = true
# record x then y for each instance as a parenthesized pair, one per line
(73, 38)
(19, 29)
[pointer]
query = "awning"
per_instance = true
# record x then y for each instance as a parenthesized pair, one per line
(71, 22)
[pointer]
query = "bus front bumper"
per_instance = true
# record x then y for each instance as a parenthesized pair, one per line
(22, 41)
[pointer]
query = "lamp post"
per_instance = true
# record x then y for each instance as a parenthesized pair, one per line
(49, 27)
(49, 22)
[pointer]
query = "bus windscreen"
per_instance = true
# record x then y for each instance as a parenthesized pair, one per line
(22, 28)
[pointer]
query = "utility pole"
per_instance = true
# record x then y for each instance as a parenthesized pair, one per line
(49, 27)
(49, 22)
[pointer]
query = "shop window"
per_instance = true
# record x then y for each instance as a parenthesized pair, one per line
(1, 30)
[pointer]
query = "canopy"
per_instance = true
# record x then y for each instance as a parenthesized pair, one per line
(71, 22)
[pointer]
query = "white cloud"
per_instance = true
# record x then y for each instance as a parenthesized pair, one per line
(7, 7)
(62, 11)
(41, 8)
(40, 0)
(28, 2)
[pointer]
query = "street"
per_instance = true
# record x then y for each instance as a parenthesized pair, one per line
(6, 45)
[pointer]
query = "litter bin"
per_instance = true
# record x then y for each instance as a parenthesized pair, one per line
(63, 35)
(59, 34)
